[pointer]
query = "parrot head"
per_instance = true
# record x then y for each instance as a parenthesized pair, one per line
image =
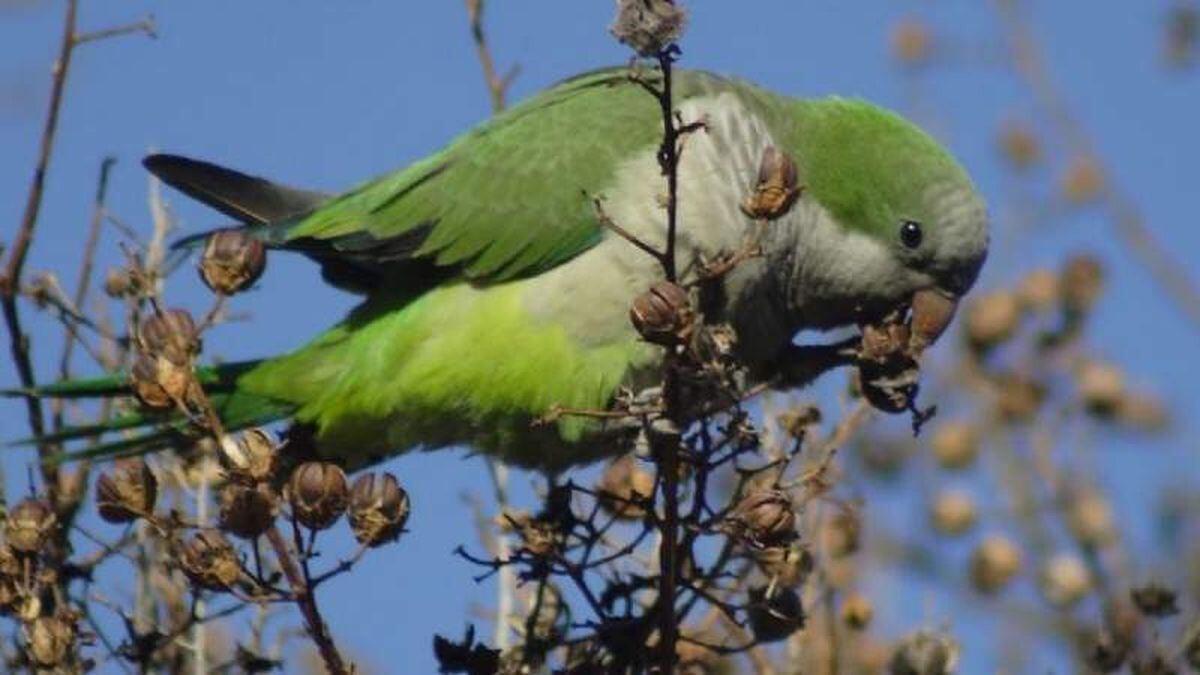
(911, 227)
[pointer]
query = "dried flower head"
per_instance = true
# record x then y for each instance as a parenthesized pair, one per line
(788, 566)
(797, 421)
(170, 334)
(232, 261)
(842, 533)
(994, 563)
(992, 319)
(776, 188)
(247, 511)
(663, 315)
(912, 42)
(1082, 282)
(623, 486)
(1101, 387)
(1019, 145)
(50, 642)
(1082, 180)
(1040, 291)
(763, 518)
(774, 613)
(249, 457)
(1065, 580)
(318, 494)
(1019, 397)
(127, 492)
(378, 508)
(29, 525)
(955, 444)
(925, 653)
(1155, 600)
(857, 611)
(953, 512)
(648, 26)
(144, 381)
(1090, 518)
(210, 561)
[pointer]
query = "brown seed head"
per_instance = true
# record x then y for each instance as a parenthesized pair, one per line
(1082, 180)
(776, 188)
(247, 511)
(1155, 600)
(994, 563)
(249, 457)
(953, 512)
(788, 566)
(232, 261)
(648, 26)
(774, 613)
(1040, 291)
(378, 508)
(1020, 397)
(1082, 282)
(662, 315)
(143, 379)
(49, 642)
(955, 444)
(1019, 145)
(763, 518)
(912, 42)
(925, 653)
(210, 561)
(857, 611)
(1065, 580)
(1101, 387)
(842, 533)
(118, 283)
(797, 421)
(993, 319)
(29, 525)
(170, 334)
(318, 494)
(623, 484)
(127, 492)
(1090, 518)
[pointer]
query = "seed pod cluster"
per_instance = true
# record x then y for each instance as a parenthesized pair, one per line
(29, 525)
(232, 261)
(167, 345)
(50, 642)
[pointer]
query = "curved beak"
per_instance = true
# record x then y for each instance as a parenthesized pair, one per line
(932, 311)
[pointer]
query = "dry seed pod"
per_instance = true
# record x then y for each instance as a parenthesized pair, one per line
(170, 334)
(925, 653)
(775, 615)
(992, 319)
(49, 642)
(378, 508)
(1101, 387)
(143, 380)
(1082, 180)
(994, 563)
(797, 421)
(318, 494)
(29, 524)
(1082, 282)
(1155, 600)
(912, 42)
(842, 533)
(763, 518)
(776, 188)
(1065, 580)
(1090, 518)
(648, 26)
(1020, 146)
(249, 456)
(127, 492)
(953, 512)
(118, 283)
(210, 561)
(788, 566)
(232, 261)
(1040, 291)
(247, 511)
(622, 485)
(662, 315)
(955, 444)
(857, 611)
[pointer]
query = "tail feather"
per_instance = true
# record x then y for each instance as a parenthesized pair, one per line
(151, 430)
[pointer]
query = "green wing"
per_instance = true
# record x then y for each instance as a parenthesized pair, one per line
(506, 200)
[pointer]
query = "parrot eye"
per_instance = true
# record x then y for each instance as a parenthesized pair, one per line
(910, 233)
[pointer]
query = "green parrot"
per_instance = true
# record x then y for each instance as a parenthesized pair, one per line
(492, 293)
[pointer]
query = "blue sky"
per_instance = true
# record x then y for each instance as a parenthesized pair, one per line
(325, 94)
